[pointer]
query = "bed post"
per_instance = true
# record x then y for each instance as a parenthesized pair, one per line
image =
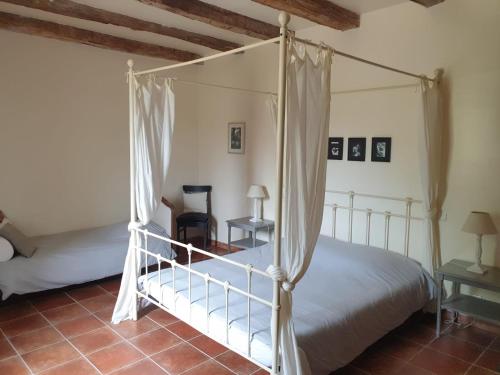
(284, 18)
(133, 208)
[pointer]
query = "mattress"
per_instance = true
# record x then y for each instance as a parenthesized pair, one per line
(73, 258)
(350, 297)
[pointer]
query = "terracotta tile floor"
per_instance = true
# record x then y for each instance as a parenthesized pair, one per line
(412, 349)
(70, 333)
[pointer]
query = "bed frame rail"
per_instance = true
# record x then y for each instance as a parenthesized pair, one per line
(407, 216)
(208, 279)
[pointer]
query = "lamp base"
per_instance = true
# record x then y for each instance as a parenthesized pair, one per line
(476, 268)
(256, 220)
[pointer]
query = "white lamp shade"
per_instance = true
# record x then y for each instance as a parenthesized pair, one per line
(479, 223)
(256, 191)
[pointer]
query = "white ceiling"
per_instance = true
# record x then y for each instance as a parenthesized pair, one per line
(136, 9)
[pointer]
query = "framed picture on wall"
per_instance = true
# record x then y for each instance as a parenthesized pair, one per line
(356, 149)
(381, 149)
(236, 138)
(335, 148)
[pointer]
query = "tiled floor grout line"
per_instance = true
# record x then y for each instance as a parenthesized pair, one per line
(45, 327)
(179, 337)
(17, 352)
(129, 342)
(428, 346)
(190, 344)
(422, 347)
(480, 355)
(132, 364)
(70, 343)
(447, 331)
(213, 358)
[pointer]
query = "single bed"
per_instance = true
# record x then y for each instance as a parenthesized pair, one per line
(80, 256)
(350, 297)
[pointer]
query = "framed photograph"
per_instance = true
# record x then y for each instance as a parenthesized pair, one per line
(356, 149)
(381, 149)
(236, 138)
(335, 148)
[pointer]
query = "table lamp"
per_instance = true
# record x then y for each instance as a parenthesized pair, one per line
(257, 193)
(479, 223)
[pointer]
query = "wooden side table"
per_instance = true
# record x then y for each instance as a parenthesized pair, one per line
(252, 227)
(455, 271)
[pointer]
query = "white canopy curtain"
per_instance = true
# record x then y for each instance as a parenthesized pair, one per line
(430, 149)
(154, 103)
(307, 126)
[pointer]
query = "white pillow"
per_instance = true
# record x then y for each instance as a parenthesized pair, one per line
(195, 202)
(6, 250)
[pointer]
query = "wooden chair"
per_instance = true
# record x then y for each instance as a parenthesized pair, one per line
(197, 212)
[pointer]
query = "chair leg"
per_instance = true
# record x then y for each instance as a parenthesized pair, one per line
(207, 236)
(209, 232)
(204, 242)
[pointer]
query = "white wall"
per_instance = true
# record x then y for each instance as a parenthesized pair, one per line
(458, 35)
(462, 37)
(64, 134)
(232, 174)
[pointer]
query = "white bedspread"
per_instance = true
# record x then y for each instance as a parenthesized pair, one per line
(350, 297)
(73, 258)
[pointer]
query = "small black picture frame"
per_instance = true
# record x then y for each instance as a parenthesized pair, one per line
(381, 149)
(236, 138)
(335, 148)
(356, 149)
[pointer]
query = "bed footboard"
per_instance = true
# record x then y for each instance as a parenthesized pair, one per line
(247, 269)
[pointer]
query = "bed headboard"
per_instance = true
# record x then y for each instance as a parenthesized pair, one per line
(374, 220)
(165, 216)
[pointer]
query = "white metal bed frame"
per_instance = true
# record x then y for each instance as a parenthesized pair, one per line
(274, 304)
(250, 269)
(350, 208)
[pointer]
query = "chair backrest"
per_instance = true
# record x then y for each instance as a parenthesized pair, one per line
(197, 198)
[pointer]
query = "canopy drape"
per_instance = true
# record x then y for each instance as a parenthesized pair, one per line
(154, 103)
(430, 150)
(305, 160)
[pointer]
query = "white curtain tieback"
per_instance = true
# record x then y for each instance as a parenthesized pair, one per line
(432, 213)
(278, 274)
(133, 225)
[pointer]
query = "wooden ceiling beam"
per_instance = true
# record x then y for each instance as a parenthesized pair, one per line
(33, 26)
(217, 16)
(428, 3)
(322, 12)
(76, 10)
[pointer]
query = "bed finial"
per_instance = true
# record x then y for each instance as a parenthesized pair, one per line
(130, 63)
(284, 18)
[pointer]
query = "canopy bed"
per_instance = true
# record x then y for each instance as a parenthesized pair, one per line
(80, 256)
(345, 294)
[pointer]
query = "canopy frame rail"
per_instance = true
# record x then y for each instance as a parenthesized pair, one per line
(366, 61)
(208, 58)
(278, 40)
(143, 253)
(407, 217)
